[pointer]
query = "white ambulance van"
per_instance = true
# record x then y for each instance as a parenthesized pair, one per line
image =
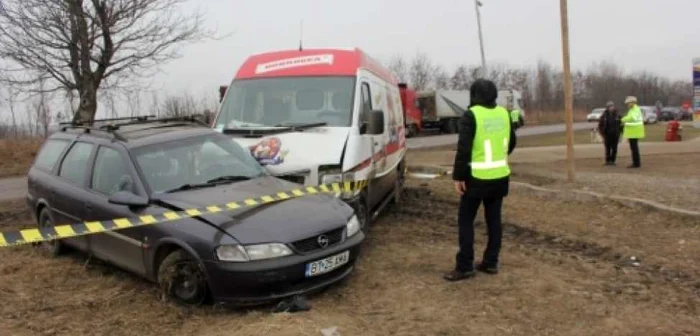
(321, 116)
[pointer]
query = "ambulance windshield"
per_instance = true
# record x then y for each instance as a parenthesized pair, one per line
(273, 102)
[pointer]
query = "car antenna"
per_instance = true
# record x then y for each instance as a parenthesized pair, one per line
(301, 34)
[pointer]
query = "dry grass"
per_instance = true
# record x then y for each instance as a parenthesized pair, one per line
(561, 275)
(668, 179)
(552, 117)
(16, 155)
(654, 133)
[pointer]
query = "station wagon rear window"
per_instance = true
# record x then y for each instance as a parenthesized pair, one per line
(50, 153)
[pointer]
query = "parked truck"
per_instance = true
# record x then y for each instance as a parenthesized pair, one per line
(441, 109)
(411, 110)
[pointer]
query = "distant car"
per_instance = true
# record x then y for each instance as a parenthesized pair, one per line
(686, 114)
(143, 169)
(595, 114)
(649, 113)
(669, 113)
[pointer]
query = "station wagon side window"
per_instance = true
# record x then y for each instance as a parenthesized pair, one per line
(50, 153)
(366, 104)
(111, 173)
(75, 164)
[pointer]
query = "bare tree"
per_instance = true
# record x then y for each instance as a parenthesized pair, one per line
(180, 105)
(421, 72)
(461, 79)
(544, 85)
(108, 97)
(11, 100)
(77, 44)
(441, 78)
(397, 65)
(155, 107)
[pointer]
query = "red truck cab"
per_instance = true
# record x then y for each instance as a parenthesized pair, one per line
(411, 111)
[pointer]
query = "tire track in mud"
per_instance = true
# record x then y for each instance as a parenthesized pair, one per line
(419, 204)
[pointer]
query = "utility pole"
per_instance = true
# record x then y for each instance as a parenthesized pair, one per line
(484, 71)
(301, 35)
(568, 94)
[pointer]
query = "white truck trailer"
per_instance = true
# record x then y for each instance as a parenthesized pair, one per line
(441, 109)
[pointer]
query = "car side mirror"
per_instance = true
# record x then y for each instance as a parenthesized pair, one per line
(128, 198)
(376, 122)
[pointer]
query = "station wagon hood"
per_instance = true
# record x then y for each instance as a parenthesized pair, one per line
(284, 221)
(296, 151)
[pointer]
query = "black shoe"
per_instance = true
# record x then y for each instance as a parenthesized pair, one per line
(487, 268)
(459, 275)
(633, 166)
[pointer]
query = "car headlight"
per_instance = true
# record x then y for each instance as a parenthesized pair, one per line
(235, 253)
(240, 253)
(353, 226)
(267, 251)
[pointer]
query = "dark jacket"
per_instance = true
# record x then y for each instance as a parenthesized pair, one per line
(482, 95)
(610, 123)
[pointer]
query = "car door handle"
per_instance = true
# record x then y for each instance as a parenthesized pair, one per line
(88, 208)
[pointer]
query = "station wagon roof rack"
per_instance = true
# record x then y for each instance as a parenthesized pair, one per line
(113, 125)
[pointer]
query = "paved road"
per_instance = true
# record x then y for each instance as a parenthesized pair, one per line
(443, 140)
(12, 188)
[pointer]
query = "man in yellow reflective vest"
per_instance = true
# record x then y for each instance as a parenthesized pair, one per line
(481, 175)
(515, 117)
(633, 129)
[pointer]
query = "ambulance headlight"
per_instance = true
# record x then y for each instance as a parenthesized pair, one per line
(331, 176)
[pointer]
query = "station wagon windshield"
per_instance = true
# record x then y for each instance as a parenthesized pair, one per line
(289, 101)
(198, 161)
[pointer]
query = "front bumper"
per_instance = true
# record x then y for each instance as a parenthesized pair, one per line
(260, 282)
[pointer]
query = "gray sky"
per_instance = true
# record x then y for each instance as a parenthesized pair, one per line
(657, 35)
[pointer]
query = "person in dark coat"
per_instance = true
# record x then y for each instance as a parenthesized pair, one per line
(610, 127)
(473, 191)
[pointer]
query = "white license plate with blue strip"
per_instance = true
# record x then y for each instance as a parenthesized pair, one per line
(327, 264)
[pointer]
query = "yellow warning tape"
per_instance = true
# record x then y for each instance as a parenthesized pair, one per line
(37, 235)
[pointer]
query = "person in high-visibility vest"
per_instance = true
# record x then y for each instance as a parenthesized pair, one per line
(481, 175)
(515, 117)
(633, 129)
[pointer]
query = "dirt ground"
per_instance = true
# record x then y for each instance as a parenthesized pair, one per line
(653, 133)
(566, 270)
(17, 155)
(670, 172)
(566, 267)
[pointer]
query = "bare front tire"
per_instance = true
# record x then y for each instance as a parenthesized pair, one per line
(182, 279)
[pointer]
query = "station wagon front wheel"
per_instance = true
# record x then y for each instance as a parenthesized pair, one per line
(53, 247)
(182, 279)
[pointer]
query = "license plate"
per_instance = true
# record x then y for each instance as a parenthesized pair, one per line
(328, 264)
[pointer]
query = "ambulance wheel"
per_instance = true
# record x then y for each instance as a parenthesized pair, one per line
(452, 126)
(396, 200)
(362, 211)
(412, 131)
(398, 184)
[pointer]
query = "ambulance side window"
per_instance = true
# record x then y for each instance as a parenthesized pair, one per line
(366, 105)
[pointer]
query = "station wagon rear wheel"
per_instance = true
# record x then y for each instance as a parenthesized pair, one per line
(54, 247)
(182, 279)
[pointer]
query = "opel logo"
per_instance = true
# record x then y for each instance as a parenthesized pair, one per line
(322, 241)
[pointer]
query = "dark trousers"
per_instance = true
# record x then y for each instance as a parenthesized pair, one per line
(467, 212)
(634, 147)
(611, 141)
